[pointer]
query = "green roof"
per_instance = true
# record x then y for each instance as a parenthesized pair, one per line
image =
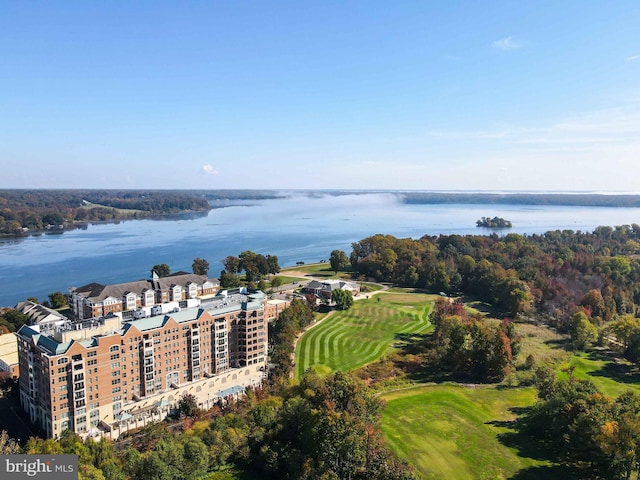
(158, 321)
(44, 342)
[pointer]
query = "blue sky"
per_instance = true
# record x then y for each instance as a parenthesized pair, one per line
(514, 95)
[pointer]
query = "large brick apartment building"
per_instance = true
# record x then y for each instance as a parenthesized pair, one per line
(100, 376)
(97, 300)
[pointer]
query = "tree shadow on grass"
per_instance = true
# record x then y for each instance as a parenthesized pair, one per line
(411, 343)
(415, 359)
(618, 371)
(560, 343)
(319, 274)
(482, 307)
(548, 472)
(525, 443)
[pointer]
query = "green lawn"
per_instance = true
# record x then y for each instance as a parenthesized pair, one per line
(286, 279)
(452, 431)
(311, 268)
(124, 211)
(349, 339)
(613, 376)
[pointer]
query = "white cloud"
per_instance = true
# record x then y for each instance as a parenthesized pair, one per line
(632, 58)
(209, 170)
(507, 43)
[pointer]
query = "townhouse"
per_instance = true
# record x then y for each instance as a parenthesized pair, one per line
(96, 300)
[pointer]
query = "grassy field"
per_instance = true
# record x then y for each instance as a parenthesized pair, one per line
(286, 279)
(453, 431)
(314, 269)
(349, 339)
(548, 347)
(613, 376)
(124, 211)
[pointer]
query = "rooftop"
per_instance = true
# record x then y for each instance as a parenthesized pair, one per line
(98, 292)
(58, 340)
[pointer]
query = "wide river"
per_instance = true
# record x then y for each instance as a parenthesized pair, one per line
(300, 228)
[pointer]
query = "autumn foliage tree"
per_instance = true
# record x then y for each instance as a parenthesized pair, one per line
(587, 430)
(468, 347)
(290, 323)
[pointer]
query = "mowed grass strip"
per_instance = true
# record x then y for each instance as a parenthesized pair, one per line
(349, 339)
(451, 431)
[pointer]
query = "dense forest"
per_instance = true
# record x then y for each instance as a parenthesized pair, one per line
(552, 276)
(28, 211)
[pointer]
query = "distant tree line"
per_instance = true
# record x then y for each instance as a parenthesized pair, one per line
(38, 210)
(578, 199)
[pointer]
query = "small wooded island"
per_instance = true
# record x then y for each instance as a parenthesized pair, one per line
(495, 222)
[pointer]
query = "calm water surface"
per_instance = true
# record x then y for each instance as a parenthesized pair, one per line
(301, 228)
